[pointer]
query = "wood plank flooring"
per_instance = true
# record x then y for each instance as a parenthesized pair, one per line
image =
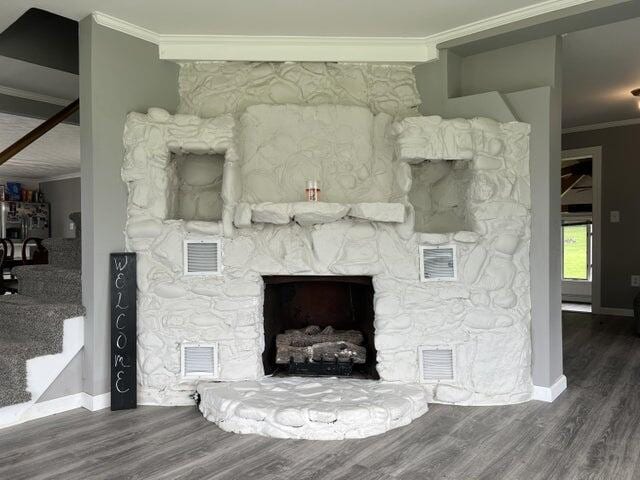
(591, 432)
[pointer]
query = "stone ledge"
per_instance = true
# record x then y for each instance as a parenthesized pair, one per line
(433, 138)
(312, 408)
(312, 213)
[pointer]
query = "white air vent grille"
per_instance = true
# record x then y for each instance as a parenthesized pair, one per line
(203, 257)
(438, 263)
(436, 363)
(199, 360)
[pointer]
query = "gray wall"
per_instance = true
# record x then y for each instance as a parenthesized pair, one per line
(510, 69)
(69, 382)
(620, 176)
(520, 82)
(63, 197)
(118, 74)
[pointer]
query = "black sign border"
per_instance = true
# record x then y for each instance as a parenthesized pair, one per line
(128, 297)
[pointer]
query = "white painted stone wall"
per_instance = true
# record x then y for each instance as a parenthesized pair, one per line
(209, 89)
(346, 148)
(439, 195)
(197, 192)
(485, 315)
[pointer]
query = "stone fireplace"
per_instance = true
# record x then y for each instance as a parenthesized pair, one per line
(395, 185)
(335, 312)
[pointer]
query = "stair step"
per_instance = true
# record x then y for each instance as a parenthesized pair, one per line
(13, 368)
(29, 327)
(29, 318)
(13, 381)
(64, 252)
(24, 349)
(48, 282)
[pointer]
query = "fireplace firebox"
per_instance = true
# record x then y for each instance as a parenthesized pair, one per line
(319, 325)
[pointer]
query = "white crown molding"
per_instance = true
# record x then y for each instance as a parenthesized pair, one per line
(23, 180)
(38, 97)
(506, 18)
(600, 126)
(319, 48)
(125, 27)
(37, 180)
(64, 176)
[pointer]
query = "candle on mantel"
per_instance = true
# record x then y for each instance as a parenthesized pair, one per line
(312, 191)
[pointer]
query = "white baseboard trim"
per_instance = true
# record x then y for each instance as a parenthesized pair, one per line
(41, 373)
(56, 405)
(549, 394)
(620, 312)
(60, 405)
(94, 403)
(45, 409)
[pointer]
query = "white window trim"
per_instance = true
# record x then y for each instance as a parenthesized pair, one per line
(589, 278)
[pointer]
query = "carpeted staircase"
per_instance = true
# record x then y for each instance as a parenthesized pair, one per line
(31, 322)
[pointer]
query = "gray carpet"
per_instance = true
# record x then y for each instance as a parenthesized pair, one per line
(32, 322)
(64, 252)
(45, 282)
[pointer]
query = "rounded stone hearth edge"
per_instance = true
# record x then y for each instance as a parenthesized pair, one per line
(325, 408)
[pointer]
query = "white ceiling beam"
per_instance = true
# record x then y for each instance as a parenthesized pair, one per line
(296, 49)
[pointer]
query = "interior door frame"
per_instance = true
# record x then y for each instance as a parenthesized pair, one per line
(595, 153)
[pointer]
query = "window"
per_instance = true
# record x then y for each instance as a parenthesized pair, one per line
(576, 251)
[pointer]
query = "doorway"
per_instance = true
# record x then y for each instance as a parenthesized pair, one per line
(581, 229)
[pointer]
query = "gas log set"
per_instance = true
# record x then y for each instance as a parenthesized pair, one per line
(316, 351)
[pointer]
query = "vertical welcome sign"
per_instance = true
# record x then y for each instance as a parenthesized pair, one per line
(123, 330)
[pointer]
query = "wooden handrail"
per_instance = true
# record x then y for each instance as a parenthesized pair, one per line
(39, 131)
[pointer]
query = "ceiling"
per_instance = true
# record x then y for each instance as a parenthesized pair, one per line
(601, 66)
(379, 18)
(55, 154)
(598, 73)
(43, 38)
(55, 86)
(39, 65)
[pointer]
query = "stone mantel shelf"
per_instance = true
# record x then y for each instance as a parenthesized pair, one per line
(312, 213)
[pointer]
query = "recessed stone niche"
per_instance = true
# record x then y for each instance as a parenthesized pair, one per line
(196, 187)
(438, 194)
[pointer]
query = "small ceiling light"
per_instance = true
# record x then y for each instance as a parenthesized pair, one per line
(636, 93)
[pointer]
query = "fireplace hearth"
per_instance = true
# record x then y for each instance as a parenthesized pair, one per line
(319, 326)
